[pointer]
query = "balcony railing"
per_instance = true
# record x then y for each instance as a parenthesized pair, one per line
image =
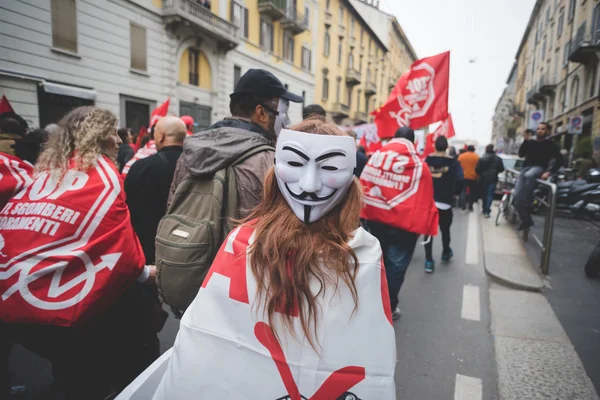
(182, 15)
(359, 117)
(273, 8)
(340, 109)
(370, 88)
(352, 77)
(547, 85)
(328, 18)
(534, 96)
(295, 21)
(584, 49)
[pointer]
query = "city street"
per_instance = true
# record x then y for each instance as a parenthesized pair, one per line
(445, 337)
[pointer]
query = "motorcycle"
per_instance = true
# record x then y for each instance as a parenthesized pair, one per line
(569, 193)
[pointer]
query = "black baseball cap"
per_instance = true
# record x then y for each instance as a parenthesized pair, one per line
(259, 82)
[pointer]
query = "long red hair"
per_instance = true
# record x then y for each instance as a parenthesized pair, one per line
(287, 253)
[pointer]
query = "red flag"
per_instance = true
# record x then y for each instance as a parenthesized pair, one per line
(398, 189)
(69, 250)
(421, 96)
(15, 174)
(159, 112)
(446, 129)
(5, 106)
(370, 139)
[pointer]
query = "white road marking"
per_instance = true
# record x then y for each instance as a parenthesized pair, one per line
(470, 303)
(472, 240)
(467, 388)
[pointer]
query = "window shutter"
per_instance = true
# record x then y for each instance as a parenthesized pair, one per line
(64, 24)
(246, 23)
(138, 47)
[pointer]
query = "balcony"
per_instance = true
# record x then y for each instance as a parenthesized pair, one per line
(370, 88)
(359, 117)
(341, 30)
(534, 96)
(352, 77)
(547, 85)
(328, 18)
(181, 16)
(294, 22)
(351, 42)
(340, 110)
(272, 8)
(584, 49)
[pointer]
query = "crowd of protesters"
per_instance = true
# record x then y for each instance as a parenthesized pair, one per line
(79, 282)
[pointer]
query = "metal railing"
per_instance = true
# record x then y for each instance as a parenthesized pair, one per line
(549, 202)
(202, 13)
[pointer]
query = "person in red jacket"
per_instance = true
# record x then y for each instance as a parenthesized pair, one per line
(399, 205)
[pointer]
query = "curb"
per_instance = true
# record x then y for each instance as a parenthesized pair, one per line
(503, 279)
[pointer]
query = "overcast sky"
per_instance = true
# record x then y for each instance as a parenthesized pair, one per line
(488, 31)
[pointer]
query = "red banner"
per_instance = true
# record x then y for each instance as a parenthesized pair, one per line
(398, 189)
(445, 129)
(15, 174)
(420, 98)
(68, 250)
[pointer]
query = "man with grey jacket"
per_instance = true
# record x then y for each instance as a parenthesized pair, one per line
(255, 106)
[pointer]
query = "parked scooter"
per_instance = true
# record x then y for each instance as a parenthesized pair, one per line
(588, 206)
(569, 193)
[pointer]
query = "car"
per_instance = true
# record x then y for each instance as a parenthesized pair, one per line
(507, 181)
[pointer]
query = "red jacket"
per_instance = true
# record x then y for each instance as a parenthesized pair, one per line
(398, 189)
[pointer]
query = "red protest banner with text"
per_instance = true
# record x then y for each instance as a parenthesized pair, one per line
(420, 97)
(67, 249)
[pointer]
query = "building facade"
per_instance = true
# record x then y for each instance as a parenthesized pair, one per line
(557, 69)
(505, 121)
(131, 55)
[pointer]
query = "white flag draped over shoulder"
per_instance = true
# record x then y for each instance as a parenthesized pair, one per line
(225, 348)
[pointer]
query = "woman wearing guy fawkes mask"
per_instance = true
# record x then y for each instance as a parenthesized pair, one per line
(292, 291)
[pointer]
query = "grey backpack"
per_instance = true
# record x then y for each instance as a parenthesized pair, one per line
(191, 232)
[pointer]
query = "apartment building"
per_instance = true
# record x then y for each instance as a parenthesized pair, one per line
(557, 68)
(361, 54)
(505, 121)
(131, 55)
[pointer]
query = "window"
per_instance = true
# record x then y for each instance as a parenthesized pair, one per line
(366, 104)
(547, 15)
(64, 24)
(337, 90)
(306, 58)
(303, 99)
(288, 47)
(340, 46)
(572, 5)
(591, 84)
(360, 63)
(362, 37)
(566, 53)
(138, 47)
(194, 78)
(596, 24)
(307, 16)
(349, 96)
(237, 74)
(575, 92)
(352, 27)
(327, 5)
(561, 23)
(350, 61)
(239, 17)
(325, 88)
(326, 45)
(266, 36)
(341, 16)
(544, 50)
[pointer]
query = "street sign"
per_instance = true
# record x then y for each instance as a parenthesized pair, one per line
(576, 125)
(535, 118)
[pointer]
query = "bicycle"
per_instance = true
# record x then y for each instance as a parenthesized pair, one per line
(505, 206)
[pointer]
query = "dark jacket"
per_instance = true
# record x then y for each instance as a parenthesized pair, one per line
(539, 153)
(125, 154)
(447, 177)
(361, 162)
(204, 153)
(147, 187)
(489, 166)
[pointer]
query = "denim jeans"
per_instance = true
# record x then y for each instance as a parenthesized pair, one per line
(524, 189)
(398, 247)
(488, 197)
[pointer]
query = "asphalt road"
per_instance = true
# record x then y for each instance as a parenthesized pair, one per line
(444, 345)
(574, 298)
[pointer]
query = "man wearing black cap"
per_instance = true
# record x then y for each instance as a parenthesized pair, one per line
(254, 107)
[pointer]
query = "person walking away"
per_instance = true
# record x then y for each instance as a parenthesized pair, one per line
(537, 153)
(488, 168)
(66, 311)
(125, 151)
(447, 175)
(189, 124)
(304, 240)
(399, 205)
(218, 178)
(468, 161)
(147, 187)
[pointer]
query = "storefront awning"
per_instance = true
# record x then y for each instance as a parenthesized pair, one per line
(66, 90)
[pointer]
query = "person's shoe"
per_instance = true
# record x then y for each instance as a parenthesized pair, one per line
(396, 314)
(486, 215)
(446, 256)
(429, 266)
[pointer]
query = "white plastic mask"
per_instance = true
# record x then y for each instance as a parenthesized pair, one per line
(314, 172)
(282, 120)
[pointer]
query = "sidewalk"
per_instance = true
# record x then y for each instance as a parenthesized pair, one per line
(534, 357)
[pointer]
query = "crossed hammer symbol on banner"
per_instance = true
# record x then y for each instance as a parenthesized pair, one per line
(336, 386)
